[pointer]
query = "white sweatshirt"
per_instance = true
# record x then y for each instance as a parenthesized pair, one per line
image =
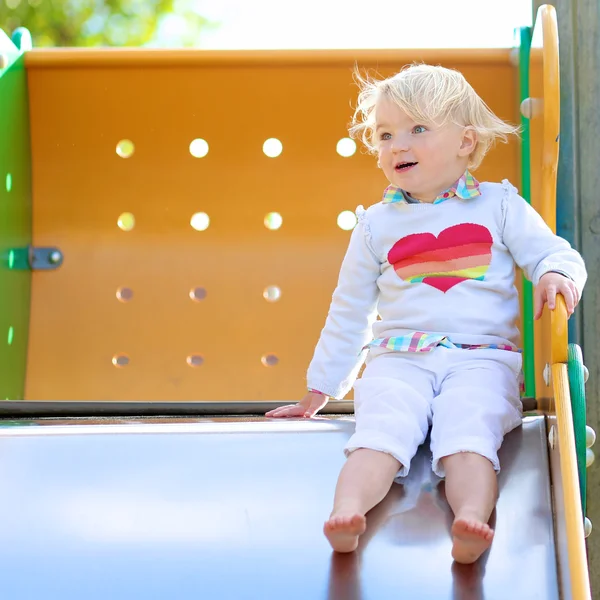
(446, 269)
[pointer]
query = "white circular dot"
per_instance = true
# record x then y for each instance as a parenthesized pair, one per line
(269, 360)
(346, 220)
(124, 294)
(125, 148)
(120, 360)
(346, 147)
(200, 221)
(126, 221)
(273, 221)
(198, 294)
(199, 148)
(194, 360)
(272, 147)
(272, 293)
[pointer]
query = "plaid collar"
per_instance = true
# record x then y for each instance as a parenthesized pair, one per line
(465, 188)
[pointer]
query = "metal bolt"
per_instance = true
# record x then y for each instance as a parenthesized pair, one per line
(547, 374)
(589, 457)
(552, 438)
(587, 527)
(531, 108)
(526, 108)
(590, 437)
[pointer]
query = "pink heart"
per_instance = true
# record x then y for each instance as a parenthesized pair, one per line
(457, 254)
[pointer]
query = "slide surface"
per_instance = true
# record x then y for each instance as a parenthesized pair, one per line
(233, 508)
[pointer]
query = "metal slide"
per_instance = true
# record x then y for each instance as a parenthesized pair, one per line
(232, 509)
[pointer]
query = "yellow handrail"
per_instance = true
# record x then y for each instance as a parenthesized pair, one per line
(546, 82)
(573, 516)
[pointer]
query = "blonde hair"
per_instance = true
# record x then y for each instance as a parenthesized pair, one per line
(430, 95)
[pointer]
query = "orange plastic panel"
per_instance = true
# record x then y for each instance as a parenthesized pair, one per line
(84, 102)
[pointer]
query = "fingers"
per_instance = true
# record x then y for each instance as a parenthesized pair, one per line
(315, 406)
(547, 293)
(569, 297)
(538, 303)
(290, 410)
(551, 296)
(315, 403)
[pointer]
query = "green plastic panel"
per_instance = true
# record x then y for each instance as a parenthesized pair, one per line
(15, 222)
(578, 406)
(527, 321)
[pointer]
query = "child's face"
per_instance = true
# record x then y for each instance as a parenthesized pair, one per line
(435, 157)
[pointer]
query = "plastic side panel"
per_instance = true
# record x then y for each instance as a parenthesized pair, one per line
(15, 229)
(82, 185)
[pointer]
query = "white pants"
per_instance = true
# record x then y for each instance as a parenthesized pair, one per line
(470, 398)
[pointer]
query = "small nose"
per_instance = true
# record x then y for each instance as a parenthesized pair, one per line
(400, 143)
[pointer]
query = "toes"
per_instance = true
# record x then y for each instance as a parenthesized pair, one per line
(460, 527)
(469, 526)
(476, 528)
(464, 527)
(356, 520)
(337, 523)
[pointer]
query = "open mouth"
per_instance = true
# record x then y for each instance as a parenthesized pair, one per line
(405, 166)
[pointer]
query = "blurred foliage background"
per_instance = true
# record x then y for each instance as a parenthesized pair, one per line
(105, 22)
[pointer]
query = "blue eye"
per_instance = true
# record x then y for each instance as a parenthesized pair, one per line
(419, 129)
(385, 136)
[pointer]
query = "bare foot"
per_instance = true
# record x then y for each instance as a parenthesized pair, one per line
(471, 538)
(343, 531)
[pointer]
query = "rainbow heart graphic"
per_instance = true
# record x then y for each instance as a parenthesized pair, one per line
(458, 253)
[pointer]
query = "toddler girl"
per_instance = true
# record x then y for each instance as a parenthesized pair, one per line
(435, 261)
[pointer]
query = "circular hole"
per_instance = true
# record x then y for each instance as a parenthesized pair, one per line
(124, 294)
(120, 360)
(269, 360)
(200, 221)
(346, 220)
(126, 221)
(194, 360)
(272, 147)
(272, 293)
(8, 182)
(11, 336)
(199, 148)
(273, 221)
(125, 148)
(198, 294)
(346, 147)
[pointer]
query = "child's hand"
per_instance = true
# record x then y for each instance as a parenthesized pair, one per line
(308, 407)
(548, 287)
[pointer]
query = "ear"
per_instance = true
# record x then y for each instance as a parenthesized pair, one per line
(468, 141)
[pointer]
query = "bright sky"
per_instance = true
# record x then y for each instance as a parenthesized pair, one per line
(263, 24)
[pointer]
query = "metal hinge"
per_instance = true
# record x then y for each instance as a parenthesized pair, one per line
(35, 259)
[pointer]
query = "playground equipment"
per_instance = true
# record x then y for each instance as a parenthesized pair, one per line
(171, 229)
